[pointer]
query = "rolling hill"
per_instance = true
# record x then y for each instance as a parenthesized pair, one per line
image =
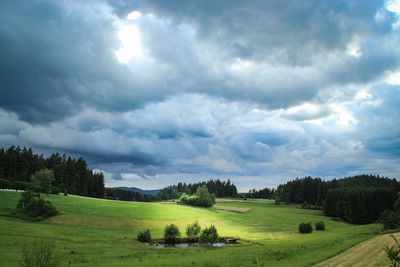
(98, 232)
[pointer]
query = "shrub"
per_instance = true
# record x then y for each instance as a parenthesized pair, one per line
(38, 253)
(305, 228)
(193, 231)
(208, 236)
(393, 253)
(33, 207)
(171, 234)
(144, 236)
(320, 226)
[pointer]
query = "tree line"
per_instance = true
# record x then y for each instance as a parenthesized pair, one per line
(314, 190)
(126, 195)
(71, 175)
(266, 193)
(217, 187)
(359, 199)
(359, 205)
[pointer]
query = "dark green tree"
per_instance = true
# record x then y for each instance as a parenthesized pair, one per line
(144, 236)
(41, 181)
(171, 234)
(193, 231)
(208, 236)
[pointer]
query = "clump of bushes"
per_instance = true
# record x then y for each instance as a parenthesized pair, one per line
(320, 226)
(144, 236)
(39, 253)
(202, 198)
(31, 206)
(171, 234)
(305, 228)
(208, 236)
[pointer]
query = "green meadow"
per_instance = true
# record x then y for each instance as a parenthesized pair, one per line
(97, 232)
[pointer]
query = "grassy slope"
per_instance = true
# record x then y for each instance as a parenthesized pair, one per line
(93, 232)
(368, 253)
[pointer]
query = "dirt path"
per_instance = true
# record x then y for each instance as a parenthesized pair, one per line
(368, 253)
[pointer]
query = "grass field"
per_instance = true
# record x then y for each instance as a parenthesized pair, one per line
(368, 253)
(95, 232)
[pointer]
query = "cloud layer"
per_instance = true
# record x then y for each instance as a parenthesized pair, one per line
(156, 92)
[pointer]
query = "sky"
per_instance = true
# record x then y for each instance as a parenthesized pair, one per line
(156, 92)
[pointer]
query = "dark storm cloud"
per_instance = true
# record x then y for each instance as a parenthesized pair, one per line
(253, 90)
(58, 57)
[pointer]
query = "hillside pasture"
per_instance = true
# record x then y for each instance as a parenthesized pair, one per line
(96, 232)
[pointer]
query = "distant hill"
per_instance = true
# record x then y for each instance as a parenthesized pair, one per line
(152, 192)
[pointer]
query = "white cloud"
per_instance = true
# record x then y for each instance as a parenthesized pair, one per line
(131, 46)
(393, 78)
(354, 49)
(134, 15)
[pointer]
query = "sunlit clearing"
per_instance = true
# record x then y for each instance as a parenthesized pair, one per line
(129, 36)
(134, 15)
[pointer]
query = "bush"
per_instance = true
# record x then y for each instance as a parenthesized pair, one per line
(32, 206)
(393, 253)
(171, 234)
(38, 253)
(209, 236)
(305, 228)
(193, 231)
(320, 226)
(144, 236)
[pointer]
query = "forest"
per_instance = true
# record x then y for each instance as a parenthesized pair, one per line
(71, 176)
(360, 199)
